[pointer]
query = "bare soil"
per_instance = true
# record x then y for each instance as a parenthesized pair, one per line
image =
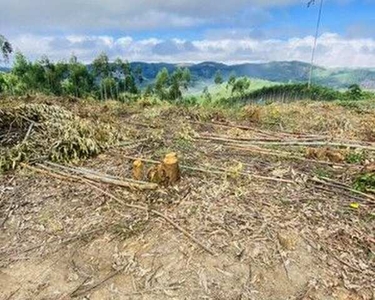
(270, 239)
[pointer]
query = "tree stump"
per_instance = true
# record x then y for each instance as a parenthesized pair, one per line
(171, 168)
(138, 169)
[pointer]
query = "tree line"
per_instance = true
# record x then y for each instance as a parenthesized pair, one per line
(300, 91)
(101, 79)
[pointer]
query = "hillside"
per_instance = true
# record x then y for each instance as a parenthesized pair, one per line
(283, 72)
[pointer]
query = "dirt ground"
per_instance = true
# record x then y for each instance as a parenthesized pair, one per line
(269, 238)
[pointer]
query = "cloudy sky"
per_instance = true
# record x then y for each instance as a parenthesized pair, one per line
(230, 31)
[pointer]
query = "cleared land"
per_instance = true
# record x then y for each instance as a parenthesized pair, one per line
(266, 207)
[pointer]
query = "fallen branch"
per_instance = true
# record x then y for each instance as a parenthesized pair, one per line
(61, 176)
(223, 138)
(152, 126)
(94, 286)
(100, 177)
(292, 139)
(158, 214)
(266, 133)
(270, 133)
(298, 144)
(28, 132)
(368, 197)
(284, 154)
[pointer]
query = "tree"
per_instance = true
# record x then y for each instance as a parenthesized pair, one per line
(102, 71)
(206, 95)
(138, 74)
(240, 86)
(5, 48)
(80, 81)
(186, 78)
(231, 80)
(126, 80)
(101, 66)
(354, 92)
(218, 78)
(161, 83)
(180, 79)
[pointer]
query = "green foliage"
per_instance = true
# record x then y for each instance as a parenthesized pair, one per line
(101, 66)
(239, 86)
(355, 93)
(289, 92)
(355, 157)
(149, 90)
(218, 77)
(190, 101)
(170, 87)
(206, 96)
(101, 80)
(231, 80)
(364, 182)
(79, 78)
(161, 83)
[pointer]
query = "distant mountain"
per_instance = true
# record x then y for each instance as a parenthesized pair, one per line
(291, 71)
(2, 69)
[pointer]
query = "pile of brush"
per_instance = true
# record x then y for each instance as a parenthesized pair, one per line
(32, 132)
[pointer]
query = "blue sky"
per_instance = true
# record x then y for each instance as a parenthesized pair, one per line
(192, 30)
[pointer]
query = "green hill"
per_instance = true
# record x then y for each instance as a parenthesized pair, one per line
(282, 72)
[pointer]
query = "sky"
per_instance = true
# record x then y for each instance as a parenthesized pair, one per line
(191, 31)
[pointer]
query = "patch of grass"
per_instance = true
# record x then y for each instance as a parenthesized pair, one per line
(355, 157)
(364, 182)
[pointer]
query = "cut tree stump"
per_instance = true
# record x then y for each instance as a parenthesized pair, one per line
(171, 168)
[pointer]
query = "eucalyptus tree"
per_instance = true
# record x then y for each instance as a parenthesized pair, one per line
(180, 80)
(162, 83)
(79, 82)
(102, 70)
(126, 79)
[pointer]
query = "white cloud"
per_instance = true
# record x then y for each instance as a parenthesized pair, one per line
(333, 50)
(93, 15)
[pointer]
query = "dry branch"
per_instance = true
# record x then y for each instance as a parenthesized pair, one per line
(265, 132)
(99, 177)
(284, 154)
(63, 176)
(368, 198)
(156, 213)
(320, 144)
(223, 138)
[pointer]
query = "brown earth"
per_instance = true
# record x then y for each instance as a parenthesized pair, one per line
(276, 235)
